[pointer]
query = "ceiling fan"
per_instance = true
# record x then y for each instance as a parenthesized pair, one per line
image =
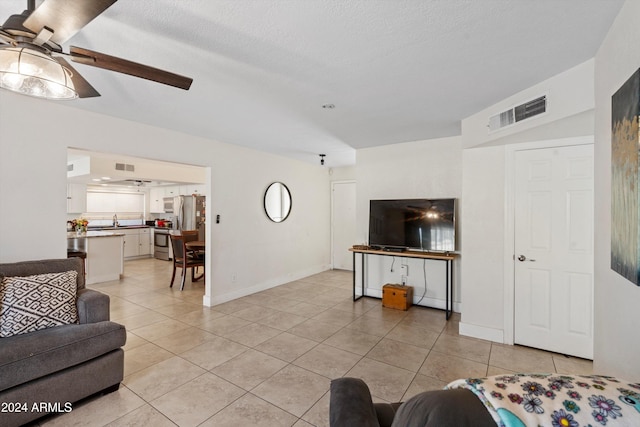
(32, 60)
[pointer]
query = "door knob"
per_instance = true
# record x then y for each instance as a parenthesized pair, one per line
(522, 258)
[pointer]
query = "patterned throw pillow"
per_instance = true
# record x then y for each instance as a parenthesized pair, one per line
(31, 303)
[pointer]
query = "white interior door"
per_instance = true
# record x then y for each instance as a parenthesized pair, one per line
(554, 249)
(343, 223)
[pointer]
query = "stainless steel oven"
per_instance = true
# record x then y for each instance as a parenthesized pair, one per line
(161, 244)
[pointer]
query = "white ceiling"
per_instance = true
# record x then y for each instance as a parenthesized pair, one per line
(396, 70)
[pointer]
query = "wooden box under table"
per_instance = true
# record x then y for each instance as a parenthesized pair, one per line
(397, 296)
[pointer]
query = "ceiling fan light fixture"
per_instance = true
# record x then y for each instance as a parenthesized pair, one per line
(34, 73)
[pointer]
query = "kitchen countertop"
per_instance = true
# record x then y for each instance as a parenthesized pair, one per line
(90, 233)
(123, 227)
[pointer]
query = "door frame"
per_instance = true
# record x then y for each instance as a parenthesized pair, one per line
(333, 183)
(509, 223)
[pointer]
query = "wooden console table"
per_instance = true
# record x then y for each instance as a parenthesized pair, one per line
(447, 258)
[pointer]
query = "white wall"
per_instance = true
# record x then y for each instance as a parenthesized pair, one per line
(35, 135)
(617, 336)
(482, 213)
(420, 169)
(569, 102)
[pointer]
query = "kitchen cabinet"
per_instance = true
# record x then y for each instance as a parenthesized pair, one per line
(131, 243)
(171, 191)
(156, 204)
(76, 198)
(144, 242)
(137, 242)
(191, 189)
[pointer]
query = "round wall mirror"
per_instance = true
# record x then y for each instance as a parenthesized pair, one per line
(277, 202)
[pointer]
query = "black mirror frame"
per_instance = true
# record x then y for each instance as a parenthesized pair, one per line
(264, 202)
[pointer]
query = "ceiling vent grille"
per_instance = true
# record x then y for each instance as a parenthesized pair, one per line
(70, 167)
(125, 167)
(517, 114)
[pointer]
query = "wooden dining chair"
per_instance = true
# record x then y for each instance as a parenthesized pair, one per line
(184, 258)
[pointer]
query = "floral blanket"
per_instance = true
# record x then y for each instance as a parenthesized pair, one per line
(557, 400)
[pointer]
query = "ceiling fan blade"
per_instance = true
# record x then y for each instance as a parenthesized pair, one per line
(65, 17)
(100, 60)
(83, 88)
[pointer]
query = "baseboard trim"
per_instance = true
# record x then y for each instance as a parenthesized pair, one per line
(481, 332)
(211, 300)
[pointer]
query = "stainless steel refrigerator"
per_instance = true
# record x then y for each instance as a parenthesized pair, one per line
(190, 214)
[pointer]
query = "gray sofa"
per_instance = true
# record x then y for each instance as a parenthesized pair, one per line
(351, 405)
(54, 367)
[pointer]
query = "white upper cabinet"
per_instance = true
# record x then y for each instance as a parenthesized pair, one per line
(190, 189)
(156, 205)
(76, 198)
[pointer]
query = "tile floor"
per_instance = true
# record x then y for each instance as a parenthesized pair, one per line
(267, 359)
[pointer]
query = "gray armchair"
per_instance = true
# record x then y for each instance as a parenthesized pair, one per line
(62, 364)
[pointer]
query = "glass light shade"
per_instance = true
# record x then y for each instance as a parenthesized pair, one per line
(34, 73)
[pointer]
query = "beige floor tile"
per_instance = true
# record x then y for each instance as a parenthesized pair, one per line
(197, 400)
(179, 309)
(144, 416)
(255, 313)
(372, 325)
(302, 423)
(521, 359)
(353, 341)
(468, 348)
(422, 383)
(399, 354)
(214, 352)
(336, 317)
(224, 325)
(249, 369)
(250, 410)
(143, 356)
(139, 320)
(152, 299)
(304, 309)
(198, 318)
(293, 389)
(315, 330)
(184, 339)
(161, 378)
(447, 368)
(318, 415)
(414, 335)
(133, 341)
(160, 329)
(286, 346)
(252, 334)
(231, 307)
(97, 411)
(384, 381)
(572, 365)
(328, 361)
(289, 371)
(282, 320)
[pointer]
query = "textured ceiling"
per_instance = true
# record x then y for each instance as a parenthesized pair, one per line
(396, 70)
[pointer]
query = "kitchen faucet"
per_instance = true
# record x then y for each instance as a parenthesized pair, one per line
(115, 220)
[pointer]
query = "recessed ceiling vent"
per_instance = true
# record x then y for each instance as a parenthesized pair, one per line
(517, 114)
(70, 167)
(125, 167)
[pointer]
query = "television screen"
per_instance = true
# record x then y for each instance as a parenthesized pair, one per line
(424, 224)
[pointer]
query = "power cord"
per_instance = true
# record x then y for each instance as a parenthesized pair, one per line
(424, 271)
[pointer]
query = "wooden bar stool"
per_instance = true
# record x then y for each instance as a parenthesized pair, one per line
(79, 254)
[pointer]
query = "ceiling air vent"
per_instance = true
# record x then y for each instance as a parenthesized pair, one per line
(125, 167)
(518, 113)
(70, 167)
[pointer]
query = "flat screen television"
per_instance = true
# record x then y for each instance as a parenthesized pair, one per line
(416, 224)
